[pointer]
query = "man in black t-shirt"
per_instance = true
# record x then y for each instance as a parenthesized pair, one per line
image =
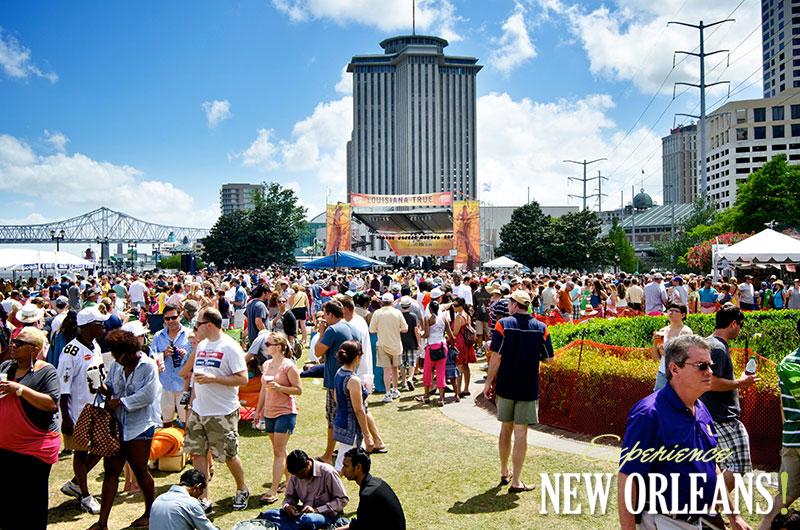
(378, 505)
(410, 340)
(256, 313)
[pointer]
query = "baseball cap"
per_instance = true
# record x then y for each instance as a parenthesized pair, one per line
(521, 297)
(658, 276)
(62, 301)
(32, 336)
(405, 301)
(90, 314)
(387, 297)
(135, 327)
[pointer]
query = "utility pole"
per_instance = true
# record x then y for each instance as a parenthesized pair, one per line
(413, 17)
(600, 178)
(702, 86)
(633, 219)
(585, 180)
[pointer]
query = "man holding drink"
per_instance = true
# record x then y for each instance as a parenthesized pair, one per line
(170, 348)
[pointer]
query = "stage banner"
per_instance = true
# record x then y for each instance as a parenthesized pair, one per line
(360, 200)
(337, 230)
(424, 245)
(467, 233)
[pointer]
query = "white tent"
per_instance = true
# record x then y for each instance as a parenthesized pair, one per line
(767, 246)
(503, 262)
(17, 259)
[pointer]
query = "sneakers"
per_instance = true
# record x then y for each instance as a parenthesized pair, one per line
(240, 500)
(90, 504)
(395, 393)
(410, 385)
(70, 489)
(387, 398)
(206, 505)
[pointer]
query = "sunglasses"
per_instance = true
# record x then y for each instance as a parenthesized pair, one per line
(171, 318)
(702, 366)
(20, 343)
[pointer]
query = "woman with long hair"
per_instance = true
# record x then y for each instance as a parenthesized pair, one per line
(466, 349)
(280, 383)
(300, 306)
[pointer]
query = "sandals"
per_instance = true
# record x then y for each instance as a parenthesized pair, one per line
(379, 451)
(422, 399)
(465, 394)
(268, 499)
(505, 480)
(523, 489)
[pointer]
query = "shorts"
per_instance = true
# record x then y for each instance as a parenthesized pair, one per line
(409, 359)
(386, 358)
(790, 462)
(218, 434)
(733, 436)
(145, 435)
(481, 328)
(283, 424)
(171, 406)
(519, 412)
(300, 313)
(330, 406)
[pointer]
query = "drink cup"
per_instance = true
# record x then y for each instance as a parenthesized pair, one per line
(159, 358)
(108, 360)
(3, 379)
(93, 375)
(369, 382)
(269, 378)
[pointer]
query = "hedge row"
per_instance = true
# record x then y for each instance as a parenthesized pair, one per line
(777, 329)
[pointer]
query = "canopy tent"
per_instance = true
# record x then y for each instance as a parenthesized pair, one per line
(503, 262)
(767, 246)
(349, 260)
(18, 259)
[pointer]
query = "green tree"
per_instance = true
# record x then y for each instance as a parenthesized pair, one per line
(623, 249)
(526, 237)
(770, 193)
(574, 242)
(262, 236)
(174, 262)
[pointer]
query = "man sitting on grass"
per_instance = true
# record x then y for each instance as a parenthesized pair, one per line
(378, 506)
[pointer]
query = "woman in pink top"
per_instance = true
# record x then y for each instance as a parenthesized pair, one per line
(280, 383)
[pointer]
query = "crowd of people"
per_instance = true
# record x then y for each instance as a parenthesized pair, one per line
(155, 350)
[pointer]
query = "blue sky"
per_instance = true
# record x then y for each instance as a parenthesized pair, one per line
(149, 107)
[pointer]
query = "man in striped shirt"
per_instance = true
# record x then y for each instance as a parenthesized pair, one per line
(788, 373)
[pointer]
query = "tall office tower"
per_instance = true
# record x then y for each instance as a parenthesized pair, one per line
(780, 38)
(679, 164)
(237, 197)
(413, 120)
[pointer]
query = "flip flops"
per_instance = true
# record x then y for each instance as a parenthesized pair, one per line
(505, 480)
(379, 451)
(523, 489)
(268, 499)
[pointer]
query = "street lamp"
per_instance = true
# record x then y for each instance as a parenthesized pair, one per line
(132, 250)
(58, 237)
(103, 242)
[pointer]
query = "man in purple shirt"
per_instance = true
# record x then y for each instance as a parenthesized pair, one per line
(315, 495)
(665, 422)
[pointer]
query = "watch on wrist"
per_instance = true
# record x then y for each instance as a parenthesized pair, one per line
(20, 390)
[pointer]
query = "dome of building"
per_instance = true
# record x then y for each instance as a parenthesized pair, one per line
(642, 201)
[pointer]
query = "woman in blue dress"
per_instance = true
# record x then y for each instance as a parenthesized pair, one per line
(350, 422)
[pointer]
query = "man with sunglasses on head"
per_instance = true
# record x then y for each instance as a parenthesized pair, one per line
(722, 400)
(673, 419)
(172, 342)
(213, 425)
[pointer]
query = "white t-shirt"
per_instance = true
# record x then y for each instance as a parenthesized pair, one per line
(72, 364)
(223, 357)
(137, 291)
(365, 365)
(463, 291)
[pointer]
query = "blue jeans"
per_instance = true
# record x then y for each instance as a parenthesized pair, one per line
(307, 521)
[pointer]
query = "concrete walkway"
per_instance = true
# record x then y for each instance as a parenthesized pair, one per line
(471, 415)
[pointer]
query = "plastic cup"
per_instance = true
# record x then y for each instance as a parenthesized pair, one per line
(369, 382)
(159, 358)
(269, 378)
(3, 379)
(108, 360)
(93, 375)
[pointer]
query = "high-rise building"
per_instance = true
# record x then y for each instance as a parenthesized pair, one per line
(679, 165)
(413, 120)
(744, 135)
(237, 197)
(780, 38)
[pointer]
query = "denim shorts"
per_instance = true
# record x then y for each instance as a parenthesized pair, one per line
(146, 435)
(282, 424)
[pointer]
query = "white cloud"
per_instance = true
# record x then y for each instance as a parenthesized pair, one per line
(57, 139)
(217, 111)
(515, 46)
(345, 84)
(631, 41)
(435, 16)
(523, 143)
(78, 181)
(16, 60)
(261, 152)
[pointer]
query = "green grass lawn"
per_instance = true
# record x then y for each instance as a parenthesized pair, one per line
(445, 474)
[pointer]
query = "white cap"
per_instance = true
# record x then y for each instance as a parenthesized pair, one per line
(89, 315)
(135, 327)
(436, 293)
(387, 297)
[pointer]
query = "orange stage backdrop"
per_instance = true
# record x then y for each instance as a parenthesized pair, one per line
(359, 200)
(426, 245)
(467, 232)
(337, 233)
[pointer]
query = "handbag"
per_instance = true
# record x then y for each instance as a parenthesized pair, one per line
(97, 430)
(437, 354)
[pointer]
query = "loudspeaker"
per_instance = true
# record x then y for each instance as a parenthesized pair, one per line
(186, 262)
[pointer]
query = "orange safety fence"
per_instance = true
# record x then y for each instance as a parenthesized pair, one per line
(590, 387)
